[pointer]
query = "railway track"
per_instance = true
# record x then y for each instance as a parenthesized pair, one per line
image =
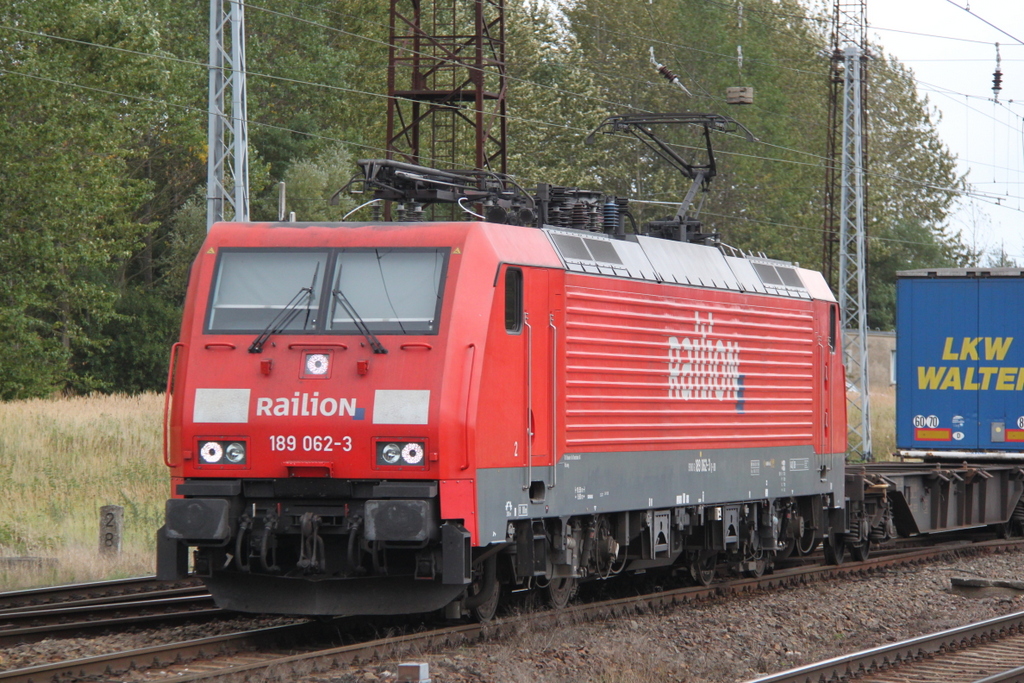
(250, 655)
(90, 608)
(985, 652)
(123, 588)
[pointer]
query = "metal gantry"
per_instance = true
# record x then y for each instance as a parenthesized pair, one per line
(845, 224)
(446, 84)
(228, 136)
(852, 261)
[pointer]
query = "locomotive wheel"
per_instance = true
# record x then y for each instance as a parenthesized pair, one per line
(560, 591)
(485, 610)
(481, 606)
(860, 551)
(806, 544)
(764, 563)
(835, 549)
(702, 568)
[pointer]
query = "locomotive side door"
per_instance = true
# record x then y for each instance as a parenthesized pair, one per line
(539, 333)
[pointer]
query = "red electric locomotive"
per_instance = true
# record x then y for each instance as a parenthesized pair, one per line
(396, 417)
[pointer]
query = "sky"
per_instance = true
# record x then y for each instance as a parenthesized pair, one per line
(953, 55)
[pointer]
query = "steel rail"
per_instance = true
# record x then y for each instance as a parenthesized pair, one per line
(33, 625)
(156, 656)
(123, 588)
(226, 647)
(906, 652)
(196, 593)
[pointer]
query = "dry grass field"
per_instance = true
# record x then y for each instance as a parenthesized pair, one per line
(883, 424)
(60, 461)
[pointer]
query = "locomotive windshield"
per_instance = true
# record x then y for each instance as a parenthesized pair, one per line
(253, 286)
(391, 291)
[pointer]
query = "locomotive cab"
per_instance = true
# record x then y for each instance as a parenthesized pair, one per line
(318, 414)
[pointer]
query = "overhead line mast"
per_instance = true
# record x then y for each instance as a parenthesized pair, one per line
(228, 129)
(846, 226)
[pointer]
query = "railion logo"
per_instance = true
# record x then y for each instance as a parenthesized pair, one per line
(304, 405)
(702, 367)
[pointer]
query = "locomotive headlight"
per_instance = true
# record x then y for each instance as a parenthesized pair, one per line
(317, 363)
(412, 453)
(235, 453)
(391, 453)
(211, 452)
(401, 453)
(222, 453)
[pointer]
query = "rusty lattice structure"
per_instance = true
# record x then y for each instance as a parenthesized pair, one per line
(446, 84)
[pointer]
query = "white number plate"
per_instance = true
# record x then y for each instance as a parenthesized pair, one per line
(310, 444)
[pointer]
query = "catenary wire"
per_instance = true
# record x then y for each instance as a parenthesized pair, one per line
(152, 101)
(508, 116)
(575, 129)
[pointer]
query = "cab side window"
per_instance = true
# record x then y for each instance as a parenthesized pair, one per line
(513, 300)
(833, 323)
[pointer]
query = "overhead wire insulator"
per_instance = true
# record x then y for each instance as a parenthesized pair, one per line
(997, 76)
(669, 76)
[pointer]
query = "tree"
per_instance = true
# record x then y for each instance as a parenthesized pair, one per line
(913, 187)
(766, 197)
(103, 148)
(64, 142)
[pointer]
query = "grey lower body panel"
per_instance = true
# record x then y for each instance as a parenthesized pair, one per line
(260, 593)
(592, 483)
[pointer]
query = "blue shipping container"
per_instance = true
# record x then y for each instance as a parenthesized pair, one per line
(960, 359)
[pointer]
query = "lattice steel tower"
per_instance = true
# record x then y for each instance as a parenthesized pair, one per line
(228, 131)
(446, 84)
(847, 152)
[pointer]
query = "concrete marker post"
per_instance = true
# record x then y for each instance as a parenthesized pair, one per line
(111, 530)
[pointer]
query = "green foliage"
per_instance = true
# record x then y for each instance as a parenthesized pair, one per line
(767, 196)
(908, 207)
(64, 162)
(12, 537)
(134, 357)
(310, 184)
(103, 148)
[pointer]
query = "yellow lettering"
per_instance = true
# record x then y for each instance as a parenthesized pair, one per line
(947, 351)
(1004, 382)
(996, 347)
(952, 380)
(969, 348)
(969, 383)
(929, 378)
(1020, 380)
(986, 374)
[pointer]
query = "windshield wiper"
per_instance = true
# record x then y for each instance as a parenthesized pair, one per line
(360, 324)
(290, 311)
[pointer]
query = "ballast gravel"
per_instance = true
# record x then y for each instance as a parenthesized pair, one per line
(727, 639)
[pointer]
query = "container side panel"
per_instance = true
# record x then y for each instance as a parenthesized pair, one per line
(937, 363)
(1000, 350)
